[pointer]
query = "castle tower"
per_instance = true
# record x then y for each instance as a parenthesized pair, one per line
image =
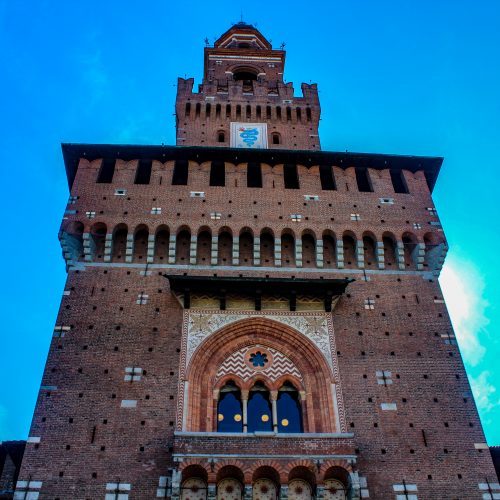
(255, 321)
(243, 91)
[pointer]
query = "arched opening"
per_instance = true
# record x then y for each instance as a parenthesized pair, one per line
(217, 111)
(308, 114)
(336, 484)
(259, 409)
(98, 241)
(287, 249)
(434, 251)
(258, 112)
(278, 112)
(265, 483)
(247, 76)
(72, 239)
(308, 250)
(268, 112)
(224, 248)
(301, 483)
(299, 114)
(246, 248)
(329, 250)
(288, 114)
(229, 409)
(248, 112)
(208, 109)
(203, 247)
(228, 110)
(289, 409)
(194, 488)
(410, 245)
(349, 251)
(229, 489)
(119, 243)
(221, 136)
(198, 110)
(188, 109)
(182, 246)
(162, 240)
(267, 248)
(140, 244)
(238, 111)
(390, 248)
(370, 251)
(276, 138)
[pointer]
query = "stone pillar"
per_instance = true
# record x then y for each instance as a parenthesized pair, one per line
(129, 248)
(420, 256)
(236, 250)
(176, 485)
(298, 252)
(360, 254)
(380, 255)
(212, 492)
(192, 249)
(214, 250)
(274, 398)
(319, 253)
(108, 247)
(283, 492)
(340, 254)
(400, 255)
(256, 251)
(151, 249)
(277, 251)
(87, 247)
(248, 492)
(244, 404)
(171, 248)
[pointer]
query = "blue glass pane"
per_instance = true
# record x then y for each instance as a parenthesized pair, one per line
(229, 413)
(259, 412)
(289, 414)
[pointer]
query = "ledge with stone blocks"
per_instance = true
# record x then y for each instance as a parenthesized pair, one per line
(263, 445)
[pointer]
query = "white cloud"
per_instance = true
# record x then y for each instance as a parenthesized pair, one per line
(463, 288)
(484, 392)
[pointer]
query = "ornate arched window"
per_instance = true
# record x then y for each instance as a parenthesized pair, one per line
(289, 410)
(229, 410)
(259, 409)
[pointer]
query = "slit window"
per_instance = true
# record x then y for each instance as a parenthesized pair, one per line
(326, 177)
(180, 175)
(228, 110)
(217, 174)
(363, 180)
(188, 109)
(290, 176)
(254, 175)
(399, 182)
(106, 171)
(308, 114)
(198, 110)
(143, 173)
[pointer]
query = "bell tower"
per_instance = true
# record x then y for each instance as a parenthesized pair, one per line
(244, 100)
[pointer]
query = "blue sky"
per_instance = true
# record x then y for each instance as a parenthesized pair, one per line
(400, 77)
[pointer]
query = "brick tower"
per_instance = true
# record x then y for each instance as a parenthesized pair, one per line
(247, 316)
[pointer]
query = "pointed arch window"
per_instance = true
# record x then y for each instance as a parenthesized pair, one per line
(259, 409)
(289, 409)
(229, 409)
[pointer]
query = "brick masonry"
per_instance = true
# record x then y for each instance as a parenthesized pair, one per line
(96, 427)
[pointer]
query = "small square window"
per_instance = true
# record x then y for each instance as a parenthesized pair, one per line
(296, 217)
(156, 211)
(90, 214)
(215, 215)
(355, 217)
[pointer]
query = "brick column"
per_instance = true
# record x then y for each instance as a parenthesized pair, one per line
(380, 255)
(340, 254)
(192, 249)
(256, 251)
(171, 248)
(277, 252)
(214, 250)
(236, 250)
(319, 253)
(108, 247)
(129, 249)
(151, 249)
(298, 252)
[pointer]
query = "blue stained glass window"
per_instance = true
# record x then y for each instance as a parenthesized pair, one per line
(259, 412)
(258, 359)
(229, 412)
(289, 412)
